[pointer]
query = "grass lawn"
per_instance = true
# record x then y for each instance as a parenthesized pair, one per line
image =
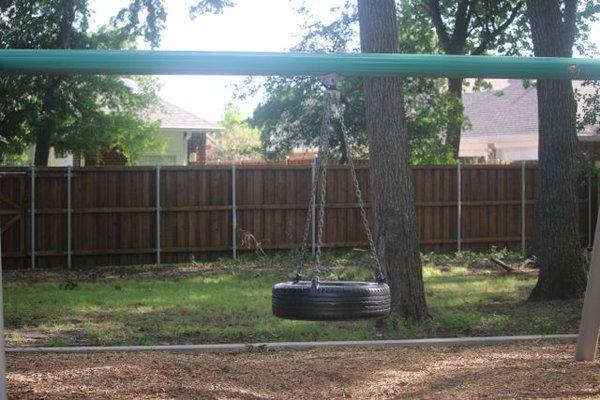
(229, 301)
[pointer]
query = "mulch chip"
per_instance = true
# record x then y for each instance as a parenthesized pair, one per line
(523, 371)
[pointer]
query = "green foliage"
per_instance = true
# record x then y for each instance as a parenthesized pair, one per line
(589, 100)
(130, 23)
(238, 141)
(146, 18)
(79, 114)
(588, 13)
(477, 26)
(290, 115)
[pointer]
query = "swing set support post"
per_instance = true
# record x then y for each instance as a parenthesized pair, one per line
(589, 328)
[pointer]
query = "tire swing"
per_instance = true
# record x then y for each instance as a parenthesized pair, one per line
(316, 300)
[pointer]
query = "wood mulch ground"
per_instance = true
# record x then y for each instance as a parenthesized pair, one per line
(524, 371)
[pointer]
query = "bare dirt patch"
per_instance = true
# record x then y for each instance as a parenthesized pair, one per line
(533, 371)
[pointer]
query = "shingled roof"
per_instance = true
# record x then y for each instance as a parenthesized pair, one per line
(171, 116)
(510, 111)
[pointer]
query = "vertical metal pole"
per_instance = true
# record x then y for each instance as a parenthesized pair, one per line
(313, 211)
(589, 327)
(158, 215)
(523, 206)
(69, 211)
(589, 209)
(233, 215)
(2, 354)
(32, 216)
(458, 207)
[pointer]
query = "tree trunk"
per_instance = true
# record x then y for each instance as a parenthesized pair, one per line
(556, 237)
(45, 130)
(43, 143)
(396, 229)
(47, 125)
(454, 129)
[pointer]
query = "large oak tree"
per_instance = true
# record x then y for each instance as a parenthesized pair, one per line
(556, 238)
(396, 229)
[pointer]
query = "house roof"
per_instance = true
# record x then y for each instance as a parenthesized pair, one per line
(171, 116)
(511, 111)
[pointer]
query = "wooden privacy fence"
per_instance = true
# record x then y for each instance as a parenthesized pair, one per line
(91, 216)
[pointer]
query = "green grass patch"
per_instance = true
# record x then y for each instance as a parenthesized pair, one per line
(233, 305)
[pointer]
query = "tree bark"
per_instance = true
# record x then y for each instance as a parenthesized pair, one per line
(396, 229)
(454, 129)
(43, 143)
(556, 237)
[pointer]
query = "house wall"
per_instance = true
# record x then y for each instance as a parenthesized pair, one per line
(53, 159)
(196, 149)
(175, 150)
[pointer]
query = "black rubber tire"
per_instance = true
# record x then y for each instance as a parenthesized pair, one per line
(331, 300)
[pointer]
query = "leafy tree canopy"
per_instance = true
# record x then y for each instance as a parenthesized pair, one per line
(238, 141)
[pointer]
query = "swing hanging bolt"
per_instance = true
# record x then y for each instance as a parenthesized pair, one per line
(331, 81)
(573, 70)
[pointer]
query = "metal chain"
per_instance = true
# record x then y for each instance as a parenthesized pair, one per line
(379, 276)
(332, 108)
(307, 224)
(320, 177)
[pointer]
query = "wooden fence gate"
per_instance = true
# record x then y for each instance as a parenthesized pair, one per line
(13, 215)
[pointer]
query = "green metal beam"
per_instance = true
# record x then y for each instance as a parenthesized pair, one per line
(240, 63)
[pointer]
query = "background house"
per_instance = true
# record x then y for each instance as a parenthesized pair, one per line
(184, 133)
(503, 124)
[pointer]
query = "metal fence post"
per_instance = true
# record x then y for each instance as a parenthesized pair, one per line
(313, 213)
(523, 208)
(233, 215)
(589, 209)
(158, 215)
(458, 207)
(69, 216)
(32, 216)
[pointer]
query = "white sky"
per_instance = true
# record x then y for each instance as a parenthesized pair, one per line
(252, 25)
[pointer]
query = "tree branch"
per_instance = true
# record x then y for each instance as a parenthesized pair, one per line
(66, 25)
(489, 37)
(433, 8)
(461, 25)
(569, 23)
